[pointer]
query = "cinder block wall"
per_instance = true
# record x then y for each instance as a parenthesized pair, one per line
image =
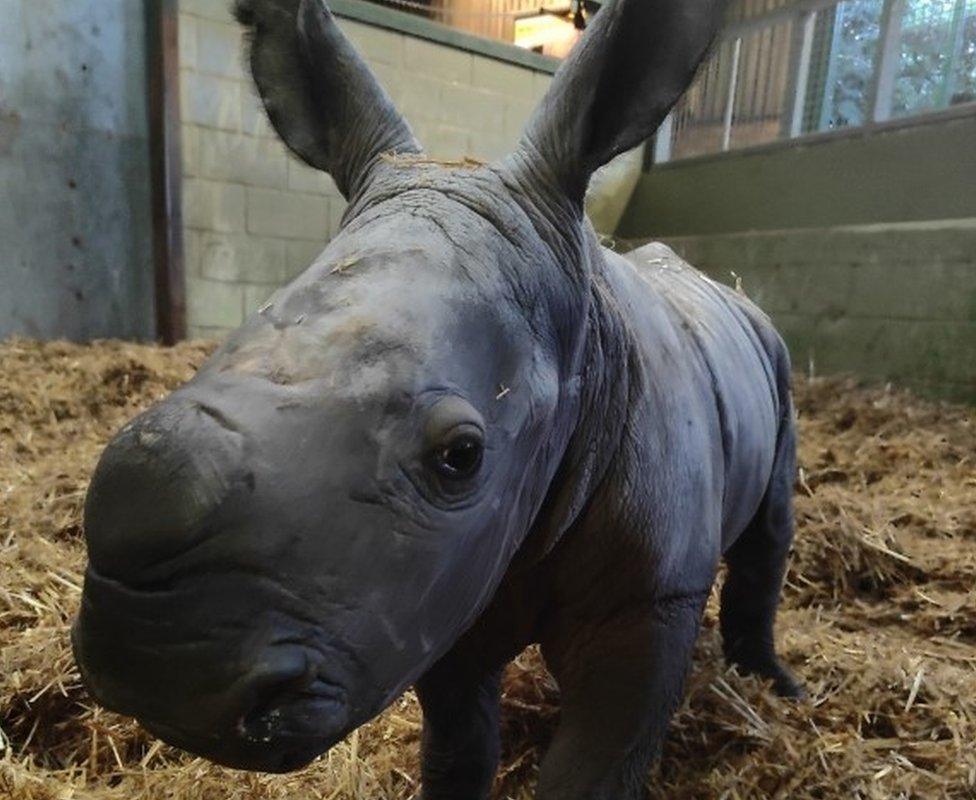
(894, 302)
(862, 248)
(254, 216)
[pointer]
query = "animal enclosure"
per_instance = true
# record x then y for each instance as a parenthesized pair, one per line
(879, 617)
(473, 422)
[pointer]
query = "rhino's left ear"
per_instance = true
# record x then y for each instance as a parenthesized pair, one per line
(319, 94)
(617, 86)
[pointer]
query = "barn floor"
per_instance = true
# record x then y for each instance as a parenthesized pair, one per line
(879, 617)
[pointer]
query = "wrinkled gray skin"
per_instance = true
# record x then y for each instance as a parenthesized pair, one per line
(465, 428)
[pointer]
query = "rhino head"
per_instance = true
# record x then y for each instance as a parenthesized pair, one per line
(282, 546)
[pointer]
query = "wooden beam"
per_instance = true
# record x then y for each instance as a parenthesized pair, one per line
(163, 75)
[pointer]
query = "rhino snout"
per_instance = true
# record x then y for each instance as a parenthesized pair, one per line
(274, 712)
(157, 483)
(273, 722)
(305, 707)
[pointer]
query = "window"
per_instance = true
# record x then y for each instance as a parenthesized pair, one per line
(936, 56)
(784, 69)
(846, 48)
(543, 26)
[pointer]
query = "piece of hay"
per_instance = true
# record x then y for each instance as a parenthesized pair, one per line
(879, 617)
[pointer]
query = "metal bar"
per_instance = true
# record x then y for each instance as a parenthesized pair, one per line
(889, 56)
(165, 168)
(730, 104)
(662, 140)
(826, 105)
(799, 75)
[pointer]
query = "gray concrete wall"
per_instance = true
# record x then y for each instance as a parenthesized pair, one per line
(862, 248)
(75, 235)
(894, 301)
(254, 216)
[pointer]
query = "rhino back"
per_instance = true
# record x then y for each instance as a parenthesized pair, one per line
(714, 359)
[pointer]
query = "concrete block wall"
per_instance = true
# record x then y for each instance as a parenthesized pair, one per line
(860, 245)
(254, 216)
(888, 302)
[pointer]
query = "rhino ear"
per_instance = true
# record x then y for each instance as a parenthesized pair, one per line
(318, 92)
(617, 86)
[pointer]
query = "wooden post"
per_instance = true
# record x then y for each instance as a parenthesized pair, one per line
(165, 168)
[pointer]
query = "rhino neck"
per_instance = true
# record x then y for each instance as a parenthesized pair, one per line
(603, 379)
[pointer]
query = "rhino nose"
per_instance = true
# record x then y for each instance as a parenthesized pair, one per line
(156, 484)
(306, 706)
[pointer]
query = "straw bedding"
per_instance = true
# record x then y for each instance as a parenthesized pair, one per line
(879, 617)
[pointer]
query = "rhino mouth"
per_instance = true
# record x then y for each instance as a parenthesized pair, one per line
(291, 726)
(283, 753)
(307, 712)
(285, 704)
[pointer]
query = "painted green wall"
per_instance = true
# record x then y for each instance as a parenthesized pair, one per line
(917, 172)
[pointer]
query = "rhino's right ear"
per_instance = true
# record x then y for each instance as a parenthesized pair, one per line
(318, 92)
(616, 87)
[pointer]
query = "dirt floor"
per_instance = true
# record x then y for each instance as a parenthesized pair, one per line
(879, 617)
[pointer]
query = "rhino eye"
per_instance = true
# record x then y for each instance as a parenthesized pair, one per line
(460, 457)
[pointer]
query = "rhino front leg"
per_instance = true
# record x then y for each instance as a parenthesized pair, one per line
(620, 683)
(460, 746)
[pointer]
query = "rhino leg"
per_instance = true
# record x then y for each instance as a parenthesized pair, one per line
(461, 745)
(620, 681)
(756, 568)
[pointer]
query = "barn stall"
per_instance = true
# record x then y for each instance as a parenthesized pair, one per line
(868, 270)
(879, 615)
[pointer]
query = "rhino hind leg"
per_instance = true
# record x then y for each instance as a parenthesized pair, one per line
(756, 568)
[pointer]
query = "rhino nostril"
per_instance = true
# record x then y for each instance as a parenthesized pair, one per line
(297, 708)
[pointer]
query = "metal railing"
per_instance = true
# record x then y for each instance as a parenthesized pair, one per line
(784, 69)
